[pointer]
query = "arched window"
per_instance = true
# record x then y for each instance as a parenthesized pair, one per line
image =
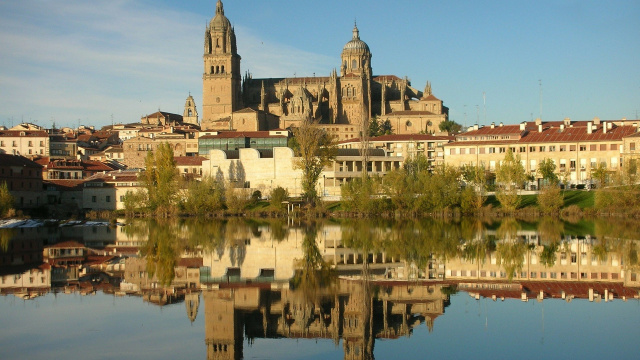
(354, 64)
(217, 69)
(222, 69)
(217, 42)
(211, 72)
(189, 112)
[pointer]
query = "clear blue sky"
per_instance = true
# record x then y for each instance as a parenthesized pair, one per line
(73, 61)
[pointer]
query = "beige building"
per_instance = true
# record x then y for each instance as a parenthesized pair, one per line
(27, 143)
(266, 169)
(577, 148)
(405, 146)
(135, 150)
(344, 100)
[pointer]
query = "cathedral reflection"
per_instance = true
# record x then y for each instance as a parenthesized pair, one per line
(355, 312)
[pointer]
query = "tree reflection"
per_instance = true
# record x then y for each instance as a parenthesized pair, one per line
(511, 249)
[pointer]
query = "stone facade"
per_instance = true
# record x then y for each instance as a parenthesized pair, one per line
(349, 97)
(135, 150)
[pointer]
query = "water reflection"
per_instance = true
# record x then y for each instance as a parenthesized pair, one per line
(349, 281)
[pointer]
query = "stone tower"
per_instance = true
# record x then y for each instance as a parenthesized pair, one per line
(355, 81)
(190, 114)
(221, 80)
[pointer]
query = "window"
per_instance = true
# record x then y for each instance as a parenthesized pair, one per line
(121, 198)
(472, 151)
(572, 164)
(632, 146)
(108, 199)
(583, 147)
(552, 148)
(93, 199)
(523, 149)
(603, 147)
(572, 148)
(614, 146)
(492, 150)
(481, 150)
(593, 147)
(462, 151)
(503, 150)
(563, 147)
(532, 149)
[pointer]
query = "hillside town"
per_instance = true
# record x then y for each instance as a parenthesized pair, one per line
(245, 134)
(93, 169)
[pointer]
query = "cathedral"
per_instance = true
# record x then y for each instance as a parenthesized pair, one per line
(343, 103)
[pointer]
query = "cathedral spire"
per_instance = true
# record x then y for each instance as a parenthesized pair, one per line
(219, 8)
(356, 33)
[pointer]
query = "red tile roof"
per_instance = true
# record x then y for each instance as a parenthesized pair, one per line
(410, 112)
(66, 245)
(241, 134)
(67, 185)
(27, 133)
(17, 160)
(189, 160)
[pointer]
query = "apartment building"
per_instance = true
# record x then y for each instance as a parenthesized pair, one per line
(577, 148)
(24, 142)
(405, 146)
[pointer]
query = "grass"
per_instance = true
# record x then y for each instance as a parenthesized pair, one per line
(583, 199)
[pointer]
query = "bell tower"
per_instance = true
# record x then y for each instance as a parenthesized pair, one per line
(221, 80)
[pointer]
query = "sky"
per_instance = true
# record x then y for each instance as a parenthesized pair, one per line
(96, 62)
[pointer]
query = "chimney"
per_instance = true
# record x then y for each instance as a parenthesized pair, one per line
(523, 125)
(562, 127)
(637, 127)
(501, 124)
(567, 121)
(604, 127)
(596, 121)
(493, 125)
(589, 127)
(539, 128)
(538, 121)
(609, 125)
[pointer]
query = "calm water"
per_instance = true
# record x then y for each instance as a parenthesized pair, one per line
(353, 290)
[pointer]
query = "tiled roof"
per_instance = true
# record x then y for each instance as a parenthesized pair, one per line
(67, 185)
(410, 112)
(189, 160)
(411, 137)
(91, 165)
(17, 160)
(577, 133)
(386, 78)
(430, 97)
(27, 133)
(241, 134)
(66, 244)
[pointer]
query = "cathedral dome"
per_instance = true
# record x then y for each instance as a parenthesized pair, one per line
(220, 21)
(355, 43)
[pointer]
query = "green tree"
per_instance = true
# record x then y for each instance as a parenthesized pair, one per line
(360, 195)
(379, 128)
(204, 196)
(278, 195)
(160, 179)
(476, 177)
(600, 173)
(314, 149)
(450, 126)
(550, 199)
(547, 170)
(510, 175)
(6, 199)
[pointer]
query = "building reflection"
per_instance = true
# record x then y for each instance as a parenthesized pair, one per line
(350, 313)
(390, 278)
